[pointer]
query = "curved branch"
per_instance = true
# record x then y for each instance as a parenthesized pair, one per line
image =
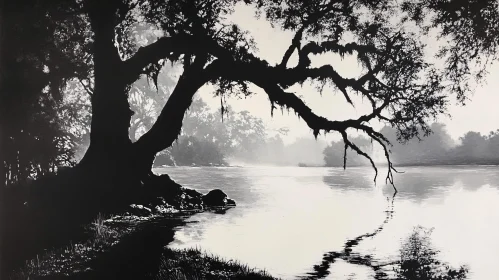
(295, 44)
(263, 77)
(257, 73)
(168, 125)
(354, 147)
(166, 47)
(171, 48)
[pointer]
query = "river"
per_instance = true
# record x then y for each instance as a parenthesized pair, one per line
(287, 218)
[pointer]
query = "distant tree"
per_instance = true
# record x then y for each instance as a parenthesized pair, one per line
(192, 151)
(306, 150)
(473, 146)
(433, 148)
(247, 135)
(493, 145)
(274, 151)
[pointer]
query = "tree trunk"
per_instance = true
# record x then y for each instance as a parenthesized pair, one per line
(168, 126)
(109, 142)
(111, 151)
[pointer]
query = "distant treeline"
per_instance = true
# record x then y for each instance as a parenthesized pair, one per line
(436, 149)
(208, 139)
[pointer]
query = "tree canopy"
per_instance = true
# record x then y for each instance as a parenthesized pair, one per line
(406, 87)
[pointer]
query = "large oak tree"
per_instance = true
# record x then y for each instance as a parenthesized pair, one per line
(93, 41)
(405, 86)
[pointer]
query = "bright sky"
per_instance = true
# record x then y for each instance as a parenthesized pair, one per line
(480, 114)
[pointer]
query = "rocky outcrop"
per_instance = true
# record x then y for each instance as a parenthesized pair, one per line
(163, 195)
(215, 198)
(139, 210)
(231, 202)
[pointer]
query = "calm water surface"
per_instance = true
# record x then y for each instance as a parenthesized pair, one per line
(288, 217)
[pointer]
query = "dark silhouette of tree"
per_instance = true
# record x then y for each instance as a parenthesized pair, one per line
(96, 42)
(34, 136)
(393, 60)
(404, 88)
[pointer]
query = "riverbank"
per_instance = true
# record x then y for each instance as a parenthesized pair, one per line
(133, 247)
(126, 242)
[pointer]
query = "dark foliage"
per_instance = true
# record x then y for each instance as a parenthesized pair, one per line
(39, 56)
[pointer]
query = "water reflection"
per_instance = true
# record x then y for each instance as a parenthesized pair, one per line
(347, 255)
(416, 183)
(288, 219)
(353, 179)
(418, 260)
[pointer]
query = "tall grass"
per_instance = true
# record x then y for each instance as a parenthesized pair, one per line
(74, 257)
(194, 264)
(181, 264)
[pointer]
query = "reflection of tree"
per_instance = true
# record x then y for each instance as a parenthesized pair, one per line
(473, 179)
(418, 260)
(416, 183)
(421, 184)
(350, 179)
(417, 257)
(322, 270)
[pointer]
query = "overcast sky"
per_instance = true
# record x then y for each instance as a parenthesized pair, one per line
(480, 114)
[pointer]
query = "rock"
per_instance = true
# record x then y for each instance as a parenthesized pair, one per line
(158, 201)
(196, 202)
(165, 209)
(231, 202)
(139, 210)
(215, 197)
(192, 193)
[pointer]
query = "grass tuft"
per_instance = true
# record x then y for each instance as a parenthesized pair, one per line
(192, 263)
(73, 258)
(106, 233)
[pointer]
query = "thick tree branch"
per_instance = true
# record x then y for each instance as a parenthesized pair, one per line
(168, 126)
(170, 48)
(258, 74)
